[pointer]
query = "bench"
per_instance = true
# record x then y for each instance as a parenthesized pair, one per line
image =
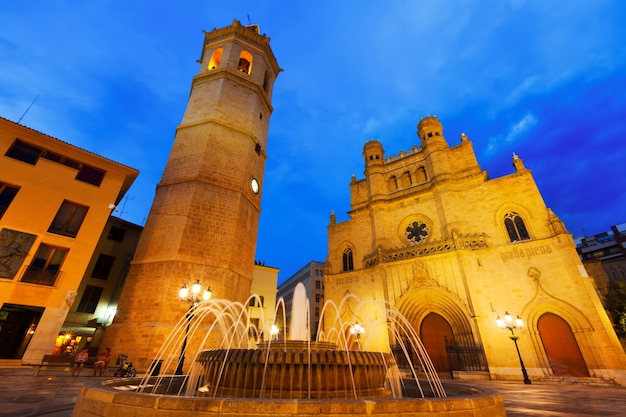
(55, 360)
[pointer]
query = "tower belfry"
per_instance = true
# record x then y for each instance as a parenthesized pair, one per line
(203, 222)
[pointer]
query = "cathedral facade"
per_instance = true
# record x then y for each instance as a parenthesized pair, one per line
(453, 250)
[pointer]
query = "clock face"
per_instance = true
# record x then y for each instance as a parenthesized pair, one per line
(254, 183)
(416, 232)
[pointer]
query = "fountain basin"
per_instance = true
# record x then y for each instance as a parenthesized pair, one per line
(294, 370)
(118, 398)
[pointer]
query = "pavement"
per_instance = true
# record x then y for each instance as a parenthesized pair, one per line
(53, 393)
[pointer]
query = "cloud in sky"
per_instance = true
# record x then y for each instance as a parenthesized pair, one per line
(517, 131)
(542, 79)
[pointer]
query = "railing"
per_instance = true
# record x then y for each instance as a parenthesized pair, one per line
(466, 357)
(65, 229)
(403, 154)
(440, 246)
(403, 360)
(38, 275)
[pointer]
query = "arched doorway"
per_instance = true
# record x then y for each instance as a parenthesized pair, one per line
(434, 332)
(560, 345)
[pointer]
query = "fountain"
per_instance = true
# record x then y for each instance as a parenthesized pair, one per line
(249, 370)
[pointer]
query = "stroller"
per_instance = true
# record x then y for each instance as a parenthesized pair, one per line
(126, 369)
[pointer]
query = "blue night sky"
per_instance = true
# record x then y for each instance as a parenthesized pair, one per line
(543, 79)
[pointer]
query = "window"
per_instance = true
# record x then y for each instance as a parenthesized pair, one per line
(420, 175)
(318, 298)
(515, 227)
(103, 266)
(245, 62)
(257, 302)
(266, 81)
(90, 299)
(51, 156)
(318, 285)
(90, 175)
(348, 263)
(406, 180)
(116, 233)
(71, 163)
(417, 232)
(45, 266)
(7, 193)
(24, 152)
(216, 58)
(68, 219)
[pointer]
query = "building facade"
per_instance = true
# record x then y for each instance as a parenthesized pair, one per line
(99, 291)
(431, 234)
(55, 200)
(262, 302)
(311, 276)
(203, 222)
(609, 248)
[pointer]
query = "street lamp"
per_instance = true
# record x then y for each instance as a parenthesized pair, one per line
(357, 330)
(192, 298)
(274, 332)
(509, 323)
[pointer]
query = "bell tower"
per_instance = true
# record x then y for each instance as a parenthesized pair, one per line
(203, 222)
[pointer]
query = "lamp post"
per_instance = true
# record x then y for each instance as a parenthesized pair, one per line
(193, 298)
(357, 330)
(509, 323)
(274, 332)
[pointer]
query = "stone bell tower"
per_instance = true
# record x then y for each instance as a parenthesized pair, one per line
(203, 222)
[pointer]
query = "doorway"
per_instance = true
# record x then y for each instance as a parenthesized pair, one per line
(434, 332)
(561, 347)
(17, 326)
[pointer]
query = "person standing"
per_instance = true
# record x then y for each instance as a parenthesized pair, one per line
(102, 362)
(79, 361)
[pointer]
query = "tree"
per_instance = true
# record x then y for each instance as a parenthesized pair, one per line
(615, 305)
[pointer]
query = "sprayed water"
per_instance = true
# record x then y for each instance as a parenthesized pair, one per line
(286, 365)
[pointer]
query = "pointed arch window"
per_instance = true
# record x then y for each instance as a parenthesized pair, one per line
(348, 260)
(245, 62)
(216, 58)
(515, 227)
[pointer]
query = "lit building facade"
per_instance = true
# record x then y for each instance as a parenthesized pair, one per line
(608, 248)
(261, 306)
(311, 276)
(453, 250)
(96, 301)
(55, 200)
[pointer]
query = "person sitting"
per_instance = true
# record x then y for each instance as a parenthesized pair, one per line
(79, 361)
(102, 362)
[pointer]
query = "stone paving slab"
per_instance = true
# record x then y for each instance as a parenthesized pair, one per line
(53, 394)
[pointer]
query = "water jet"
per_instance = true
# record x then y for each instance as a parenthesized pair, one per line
(255, 373)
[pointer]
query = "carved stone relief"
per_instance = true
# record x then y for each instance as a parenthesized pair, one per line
(14, 247)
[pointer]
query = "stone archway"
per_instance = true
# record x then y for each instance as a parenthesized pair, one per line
(434, 331)
(561, 347)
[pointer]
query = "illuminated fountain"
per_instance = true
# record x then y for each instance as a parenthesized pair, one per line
(257, 371)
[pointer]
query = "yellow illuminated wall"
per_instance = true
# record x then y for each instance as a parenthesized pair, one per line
(57, 185)
(430, 233)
